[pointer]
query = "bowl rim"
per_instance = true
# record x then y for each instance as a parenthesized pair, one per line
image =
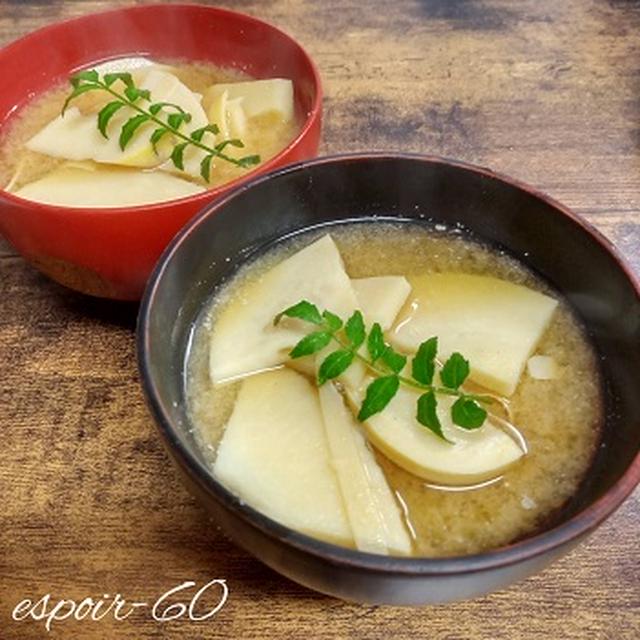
(565, 533)
(312, 116)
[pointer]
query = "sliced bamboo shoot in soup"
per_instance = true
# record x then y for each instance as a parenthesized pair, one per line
(497, 323)
(274, 455)
(246, 341)
(151, 117)
(84, 184)
(425, 359)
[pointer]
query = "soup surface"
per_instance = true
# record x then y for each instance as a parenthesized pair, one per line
(560, 418)
(264, 134)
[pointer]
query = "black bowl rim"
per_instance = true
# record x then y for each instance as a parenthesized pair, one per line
(570, 531)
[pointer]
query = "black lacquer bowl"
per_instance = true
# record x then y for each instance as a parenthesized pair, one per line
(556, 243)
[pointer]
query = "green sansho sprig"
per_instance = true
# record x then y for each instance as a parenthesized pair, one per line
(386, 365)
(135, 98)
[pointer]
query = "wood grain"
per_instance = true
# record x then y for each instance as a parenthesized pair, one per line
(548, 92)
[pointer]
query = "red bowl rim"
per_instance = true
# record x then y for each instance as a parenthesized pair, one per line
(560, 535)
(210, 194)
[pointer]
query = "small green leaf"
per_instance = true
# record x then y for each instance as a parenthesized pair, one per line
(334, 364)
(304, 310)
(234, 142)
(379, 394)
(355, 330)
(177, 155)
(175, 120)
(248, 161)
(176, 117)
(205, 167)
(375, 342)
(133, 93)
(88, 75)
(394, 360)
(156, 107)
(333, 322)
(455, 371)
(198, 134)
(157, 135)
(427, 415)
(311, 343)
(423, 364)
(110, 78)
(78, 91)
(467, 413)
(106, 113)
(129, 128)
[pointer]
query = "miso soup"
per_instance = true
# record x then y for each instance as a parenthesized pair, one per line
(522, 465)
(64, 159)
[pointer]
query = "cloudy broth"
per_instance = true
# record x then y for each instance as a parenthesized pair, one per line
(560, 418)
(266, 134)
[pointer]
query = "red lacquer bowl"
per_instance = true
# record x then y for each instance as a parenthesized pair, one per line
(111, 252)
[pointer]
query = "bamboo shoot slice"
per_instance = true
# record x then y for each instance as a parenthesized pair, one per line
(474, 455)
(75, 136)
(495, 324)
(381, 298)
(259, 96)
(274, 456)
(372, 511)
(74, 185)
(244, 340)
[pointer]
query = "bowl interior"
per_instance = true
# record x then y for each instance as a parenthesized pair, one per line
(559, 247)
(111, 251)
(171, 32)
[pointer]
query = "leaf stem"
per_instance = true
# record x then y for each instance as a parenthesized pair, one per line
(466, 411)
(102, 85)
(412, 383)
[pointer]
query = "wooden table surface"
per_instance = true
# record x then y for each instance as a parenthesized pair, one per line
(544, 90)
